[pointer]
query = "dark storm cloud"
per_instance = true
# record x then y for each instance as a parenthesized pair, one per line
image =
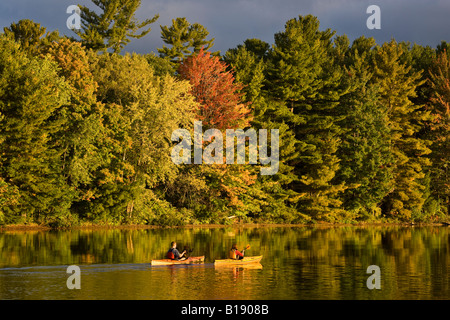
(230, 22)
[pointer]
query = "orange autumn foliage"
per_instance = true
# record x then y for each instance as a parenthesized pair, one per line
(216, 92)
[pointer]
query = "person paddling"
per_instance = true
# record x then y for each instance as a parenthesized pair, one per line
(174, 254)
(235, 253)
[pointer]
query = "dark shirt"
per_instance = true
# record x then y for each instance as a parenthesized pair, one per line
(175, 252)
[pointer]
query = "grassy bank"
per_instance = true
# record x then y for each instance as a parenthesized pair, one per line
(103, 226)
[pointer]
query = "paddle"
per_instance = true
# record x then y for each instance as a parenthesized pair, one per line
(246, 248)
(187, 250)
(186, 255)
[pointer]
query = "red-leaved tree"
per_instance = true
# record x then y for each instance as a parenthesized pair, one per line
(221, 190)
(216, 92)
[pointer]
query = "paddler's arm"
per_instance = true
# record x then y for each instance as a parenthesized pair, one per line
(180, 255)
(177, 254)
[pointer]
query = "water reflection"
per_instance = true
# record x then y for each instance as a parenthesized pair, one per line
(298, 263)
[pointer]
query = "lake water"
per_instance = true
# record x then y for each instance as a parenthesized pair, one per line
(298, 263)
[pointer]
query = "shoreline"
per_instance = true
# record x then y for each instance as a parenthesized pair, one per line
(36, 227)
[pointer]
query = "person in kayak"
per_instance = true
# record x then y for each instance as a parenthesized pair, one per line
(235, 253)
(174, 254)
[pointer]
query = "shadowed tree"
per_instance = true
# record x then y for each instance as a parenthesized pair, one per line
(365, 158)
(440, 129)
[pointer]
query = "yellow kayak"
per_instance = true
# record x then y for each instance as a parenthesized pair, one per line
(252, 266)
(246, 260)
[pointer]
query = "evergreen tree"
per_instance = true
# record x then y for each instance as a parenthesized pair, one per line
(421, 60)
(9, 198)
(365, 157)
(275, 200)
(160, 66)
(440, 130)
(397, 86)
(31, 92)
(113, 27)
(302, 73)
(257, 48)
(248, 69)
(30, 35)
(185, 40)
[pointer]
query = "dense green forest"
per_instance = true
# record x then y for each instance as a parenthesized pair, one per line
(85, 129)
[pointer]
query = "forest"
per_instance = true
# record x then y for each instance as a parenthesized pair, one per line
(85, 129)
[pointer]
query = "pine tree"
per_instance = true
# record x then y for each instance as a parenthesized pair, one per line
(275, 200)
(303, 75)
(185, 40)
(114, 26)
(365, 158)
(31, 92)
(248, 69)
(31, 36)
(160, 66)
(440, 130)
(397, 86)
(258, 47)
(9, 198)
(421, 60)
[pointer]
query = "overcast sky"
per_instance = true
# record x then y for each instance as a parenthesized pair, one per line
(230, 22)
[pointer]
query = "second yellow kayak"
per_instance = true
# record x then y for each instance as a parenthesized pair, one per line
(246, 260)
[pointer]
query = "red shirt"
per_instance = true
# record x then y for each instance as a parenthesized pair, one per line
(238, 253)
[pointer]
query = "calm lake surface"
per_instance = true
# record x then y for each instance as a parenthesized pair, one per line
(298, 263)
